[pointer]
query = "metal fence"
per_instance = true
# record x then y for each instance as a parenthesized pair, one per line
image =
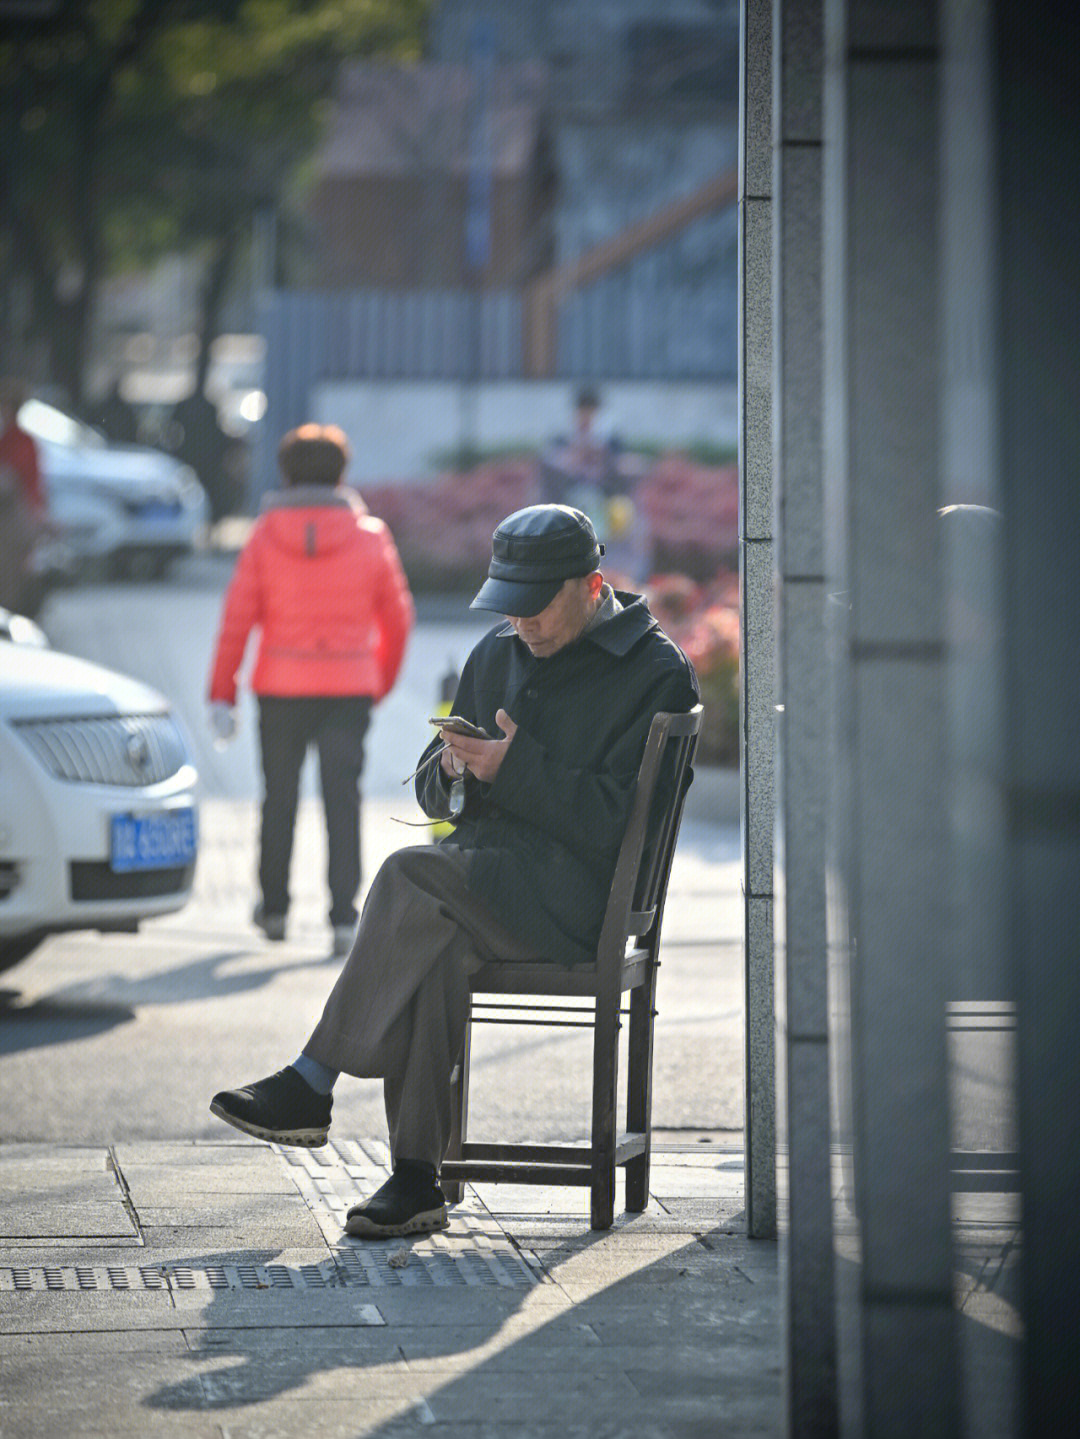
(629, 325)
(392, 335)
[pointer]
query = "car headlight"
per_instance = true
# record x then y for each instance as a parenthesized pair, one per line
(22, 631)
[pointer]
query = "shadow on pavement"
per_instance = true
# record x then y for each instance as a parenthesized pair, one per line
(54, 1020)
(688, 1335)
(93, 1006)
(687, 1344)
(269, 1360)
(198, 979)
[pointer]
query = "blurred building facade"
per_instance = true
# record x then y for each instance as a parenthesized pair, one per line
(600, 113)
(390, 207)
(909, 241)
(548, 195)
(642, 112)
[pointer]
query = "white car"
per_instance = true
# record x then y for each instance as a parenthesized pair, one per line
(128, 507)
(98, 821)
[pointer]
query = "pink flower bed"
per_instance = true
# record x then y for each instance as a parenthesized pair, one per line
(443, 527)
(693, 512)
(704, 621)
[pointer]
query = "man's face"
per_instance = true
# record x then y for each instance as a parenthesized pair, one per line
(563, 620)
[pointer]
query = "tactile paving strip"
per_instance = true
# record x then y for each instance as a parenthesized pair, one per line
(381, 1264)
(471, 1252)
(429, 1264)
(177, 1278)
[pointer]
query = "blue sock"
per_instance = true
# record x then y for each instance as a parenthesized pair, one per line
(321, 1079)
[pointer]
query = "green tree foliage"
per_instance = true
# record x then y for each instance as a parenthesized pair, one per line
(129, 128)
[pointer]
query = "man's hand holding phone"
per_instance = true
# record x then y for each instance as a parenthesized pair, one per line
(454, 724)
(470, 748)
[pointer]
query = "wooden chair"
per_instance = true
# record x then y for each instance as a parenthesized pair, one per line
(626, 963)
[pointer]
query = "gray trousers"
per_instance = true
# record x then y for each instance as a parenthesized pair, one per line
(399, 1007)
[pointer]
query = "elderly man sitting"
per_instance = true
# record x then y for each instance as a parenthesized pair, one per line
(566, 689)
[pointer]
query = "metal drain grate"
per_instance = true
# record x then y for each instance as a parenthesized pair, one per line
(175, 1278)
(372, 1266)
(183, 1279)
(68, 1277)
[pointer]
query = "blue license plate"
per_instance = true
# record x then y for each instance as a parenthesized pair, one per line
(153, 841)
(157, 512)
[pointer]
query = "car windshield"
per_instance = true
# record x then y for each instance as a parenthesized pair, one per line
(45, 422)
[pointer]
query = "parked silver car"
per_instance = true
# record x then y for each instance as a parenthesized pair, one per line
(124, 508)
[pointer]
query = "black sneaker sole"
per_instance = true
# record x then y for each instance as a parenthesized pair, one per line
(426, 1222)
(303, 1138)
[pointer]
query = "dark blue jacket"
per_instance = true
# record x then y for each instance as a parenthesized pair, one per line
(546, 833)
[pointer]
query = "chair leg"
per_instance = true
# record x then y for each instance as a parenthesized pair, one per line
(637, 1183)
(459, 1114)
(639, 1093)
(602, 1199)
(605, 1090)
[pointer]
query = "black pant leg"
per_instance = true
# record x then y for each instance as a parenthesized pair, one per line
(283, 738)
(340, 735)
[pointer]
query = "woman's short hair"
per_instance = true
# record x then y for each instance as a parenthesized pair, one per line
(313, 455)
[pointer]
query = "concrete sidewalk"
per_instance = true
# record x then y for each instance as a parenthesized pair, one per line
(208, 1289)
(204, 1285)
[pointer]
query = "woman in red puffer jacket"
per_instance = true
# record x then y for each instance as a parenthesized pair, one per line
(321, 580)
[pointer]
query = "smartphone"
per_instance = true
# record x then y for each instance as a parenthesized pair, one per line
(456, 725)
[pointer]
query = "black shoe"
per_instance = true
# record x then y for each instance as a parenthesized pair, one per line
(282, 1108)
(272, 925)
(410, 1202)
(344, 934)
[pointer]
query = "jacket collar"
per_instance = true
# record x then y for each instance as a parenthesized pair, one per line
(621, 632)
(607, 609)
(309, 497)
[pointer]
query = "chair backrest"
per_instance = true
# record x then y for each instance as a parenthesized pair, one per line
(635, 904)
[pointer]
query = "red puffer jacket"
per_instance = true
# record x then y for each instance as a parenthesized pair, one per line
(321, 579)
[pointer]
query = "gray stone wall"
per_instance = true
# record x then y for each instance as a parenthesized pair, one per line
(758, 728)
(925, 241)
(887, 936)
(1032, 306)
(804, 1167)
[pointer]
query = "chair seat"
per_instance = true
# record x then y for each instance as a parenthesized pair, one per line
(559, 979)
